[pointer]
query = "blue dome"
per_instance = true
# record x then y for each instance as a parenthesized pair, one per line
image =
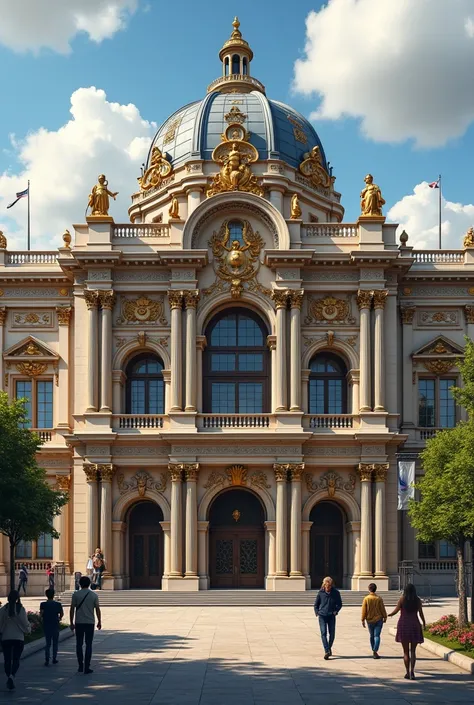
(276, 130)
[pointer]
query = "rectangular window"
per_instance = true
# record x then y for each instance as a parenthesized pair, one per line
(222, 362)
(426, 550)
(334, 396)
(23, 550)
(156, 393)
(44, 404)
(24, 390)
(137, 404)
(447, 549)
(447, 405)
(44, 546)
(251, 362)
(426, 403)
(223, 398)
(316, 396)
(250, 398)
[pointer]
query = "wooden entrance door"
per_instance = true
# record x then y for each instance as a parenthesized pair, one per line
(237, 558)
(146, 546)
(326, 544)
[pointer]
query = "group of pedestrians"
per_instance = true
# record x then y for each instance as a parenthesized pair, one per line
(23, 577)
(328, 604)
(96, 568)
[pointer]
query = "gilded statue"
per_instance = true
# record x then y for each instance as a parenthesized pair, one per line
(312, 168)
(296, 212)
(99, 197)
(469, 238)
(159, 168)
(174, 208)
(235, 153)
(371, 200)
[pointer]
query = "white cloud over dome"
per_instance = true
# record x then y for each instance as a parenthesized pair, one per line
(402, 67)
(417, 213)
(63, 165)
(32, 25)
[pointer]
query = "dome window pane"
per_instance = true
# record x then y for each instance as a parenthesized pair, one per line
(236, 63)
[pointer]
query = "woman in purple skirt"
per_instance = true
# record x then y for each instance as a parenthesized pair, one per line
(409, 632)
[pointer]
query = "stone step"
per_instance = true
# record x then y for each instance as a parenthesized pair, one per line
(224, 598)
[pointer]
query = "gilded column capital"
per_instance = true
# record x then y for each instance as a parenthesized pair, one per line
(92, 298)
(176, 471)
(380, 472)
(281, 472)
(280, 297)
(271, 342)
(63, 482)
(365, 471)
(90, 470)
(191, 299)
(107, 299)
(3, 315)
(380, 298)
(64, 314)
(296, 298)
(175, 299)
(407, 313)
(364, 299)
(191, 471)
(106, 472)
(296, 470)
(468, 312)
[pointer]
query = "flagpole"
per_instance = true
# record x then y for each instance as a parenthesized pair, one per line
(439, 212)
(28, 214)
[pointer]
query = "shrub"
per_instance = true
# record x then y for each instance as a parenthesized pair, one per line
(448, 627)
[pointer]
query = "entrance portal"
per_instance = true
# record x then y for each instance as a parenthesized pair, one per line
(237, 544)
(326, 543)
(146, 545)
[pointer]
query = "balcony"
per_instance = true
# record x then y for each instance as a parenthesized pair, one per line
(227, 422)
(322, 423)
(19, 258)
(140, 230)
(330, 230)
(438, 257)
(139, 422)
(424, 434)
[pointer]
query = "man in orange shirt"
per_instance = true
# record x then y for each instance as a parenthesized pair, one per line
(375, 614)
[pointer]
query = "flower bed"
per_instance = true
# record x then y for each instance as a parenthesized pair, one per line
(37, 631)
(446, 631)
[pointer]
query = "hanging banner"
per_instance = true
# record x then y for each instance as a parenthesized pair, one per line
(406, 480)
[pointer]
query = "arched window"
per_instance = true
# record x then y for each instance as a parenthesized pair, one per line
(327, 385)
(236, 364)
(244, 62)
(236, 63)
(145, 385)
(226, 66)
(236, 230)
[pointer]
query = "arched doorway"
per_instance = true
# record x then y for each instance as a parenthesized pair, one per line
(326, 543)
(146, 545)
(237, 540)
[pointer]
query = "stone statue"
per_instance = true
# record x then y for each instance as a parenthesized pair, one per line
(3, 241)
(99, 197)
(174, 208)
(371, 200)
(296, 211)
(469, 238)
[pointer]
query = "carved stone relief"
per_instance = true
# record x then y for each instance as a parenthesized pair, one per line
(143, 275)
(142, 311)
(141, 482)
(329, 311)
(236, 450)
(438, 318)
(32, 319)
(330, 481)
(332, 450)
(236, 476)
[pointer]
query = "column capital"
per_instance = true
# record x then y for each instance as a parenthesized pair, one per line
(90, 470)
(380, 471)
(175, 298)
(280, 297)
(191, 298)
(176, 471)
(91, 297)
(3, 315)
(365, 471)
(64, 314)
(271, 342)
(296, 298)
(191, 471)
(281, 472)
(63, 482)
(407, 313)
(380, 298)
(468, 312)
(106, 472)
(107, 299)
(296, 470)
(364, 299)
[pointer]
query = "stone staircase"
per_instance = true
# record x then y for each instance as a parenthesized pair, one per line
(224, 598)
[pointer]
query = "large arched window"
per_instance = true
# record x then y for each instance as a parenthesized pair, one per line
(236, 364)
(236, 63)
(145, 385)
(327, 385)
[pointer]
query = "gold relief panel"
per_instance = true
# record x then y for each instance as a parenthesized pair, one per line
(437, 318)
(32, 369)
(329, 310)
(237, 475)
(331, 482)
(32, 319)
(142, 311)
(298, 129)
(469, 313)
(235, 115)
(170, 131)
(439, 367)
(234, 154)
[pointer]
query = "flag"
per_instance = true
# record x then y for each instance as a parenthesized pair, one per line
(406, 479)
(434, 184)
(19, 195)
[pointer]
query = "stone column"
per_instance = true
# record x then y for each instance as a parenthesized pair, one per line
(203, 529)
(3, 318)
(468, 312)
(281, 474)
(305, 543)
(176, 305)
(201, 343)
(107, 302)
(118, 383)
(270, 528)
(380, 475)
(176, 563)
(304, 390)
(271, 344)
(60, 545)
(353, 380)
(380, 298)
(106, 473)
(92, 509)
(92, 302)
(191, 474)
(364, 300)
(407, 314)
(194, 199)
(281, 299)
(191, 299)
(365, 474)
(296, 301)
(165, 525)
(118, 551)
(296, 470)
(63, 314)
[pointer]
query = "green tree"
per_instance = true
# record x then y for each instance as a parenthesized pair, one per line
(28, 504)
(465, 395)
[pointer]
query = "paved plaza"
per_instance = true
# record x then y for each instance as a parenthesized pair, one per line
(236, 656)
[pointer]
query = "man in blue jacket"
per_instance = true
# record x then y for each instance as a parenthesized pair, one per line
(326, 608)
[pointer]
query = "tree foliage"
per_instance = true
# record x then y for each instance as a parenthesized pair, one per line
(465, 395)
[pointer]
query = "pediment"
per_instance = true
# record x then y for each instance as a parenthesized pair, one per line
(30, 348)
(439, 347)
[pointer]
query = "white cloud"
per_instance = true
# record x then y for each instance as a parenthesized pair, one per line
(403, 67)
(418, 215)
(31, 25)
(101, 137)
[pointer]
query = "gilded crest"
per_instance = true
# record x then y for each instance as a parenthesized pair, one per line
(141, 482)
(236, 263)
(237, 475)
(331, 482)
(235, 115)
(234, 154)
(142, 310)
(158, 170)
(312, 168)
(328, 310)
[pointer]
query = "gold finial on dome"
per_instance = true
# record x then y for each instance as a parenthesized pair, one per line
(236, 34)
(236, 56)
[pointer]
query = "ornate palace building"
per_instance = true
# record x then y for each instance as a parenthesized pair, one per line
(224, 385)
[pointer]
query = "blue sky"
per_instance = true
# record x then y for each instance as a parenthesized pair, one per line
(167, 55)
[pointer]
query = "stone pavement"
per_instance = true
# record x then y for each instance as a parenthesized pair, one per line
(236, 656)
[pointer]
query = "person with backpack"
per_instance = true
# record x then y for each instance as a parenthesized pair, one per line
(14, 625)
(84, 603)
(327, 606)
(375, 614)
(23, 578)
(51, 612)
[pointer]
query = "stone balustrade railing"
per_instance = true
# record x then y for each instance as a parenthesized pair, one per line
(32, 257)
(236, 77)
(31, 566)
(228, 421)
(344, 230)
(139, 422)
(438, 256)
(424, 434)
(140, 230)
(435, 566)
(330, 421)
(46, 435)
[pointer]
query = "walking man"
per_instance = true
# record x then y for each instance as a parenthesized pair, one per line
(23, 578)
(84, 604)
(51, 613)
(375, 614)
(326, 608)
